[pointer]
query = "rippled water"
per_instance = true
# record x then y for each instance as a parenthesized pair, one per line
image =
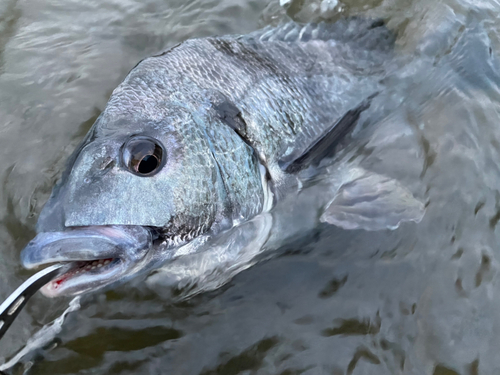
(423, 299)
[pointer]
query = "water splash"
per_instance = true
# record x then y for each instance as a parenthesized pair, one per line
(43, 336)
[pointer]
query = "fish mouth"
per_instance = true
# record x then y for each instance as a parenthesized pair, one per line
(97, 256)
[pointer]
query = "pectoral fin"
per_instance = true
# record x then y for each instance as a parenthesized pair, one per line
(372, 202)
(325, 147)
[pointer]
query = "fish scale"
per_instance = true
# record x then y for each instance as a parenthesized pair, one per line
(203, 140)
(289, 86)
(290, 90)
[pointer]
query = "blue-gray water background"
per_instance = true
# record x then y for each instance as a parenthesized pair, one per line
(424, 299)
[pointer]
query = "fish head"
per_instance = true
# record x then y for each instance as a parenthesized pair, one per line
(133, 191)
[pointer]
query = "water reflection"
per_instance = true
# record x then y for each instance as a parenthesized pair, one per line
(419, 300)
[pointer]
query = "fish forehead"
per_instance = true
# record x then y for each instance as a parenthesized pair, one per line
(191, 74)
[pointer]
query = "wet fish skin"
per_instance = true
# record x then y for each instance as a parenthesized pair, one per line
(230, 112)
(288, 92)
(290, 84)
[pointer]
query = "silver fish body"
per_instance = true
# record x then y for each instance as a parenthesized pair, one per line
(227, 118)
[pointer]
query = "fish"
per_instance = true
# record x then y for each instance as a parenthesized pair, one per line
(200, 144)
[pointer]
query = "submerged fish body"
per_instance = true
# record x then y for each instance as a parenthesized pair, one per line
(205, 137)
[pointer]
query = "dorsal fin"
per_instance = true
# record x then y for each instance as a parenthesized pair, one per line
(325, 146)
(367, 32)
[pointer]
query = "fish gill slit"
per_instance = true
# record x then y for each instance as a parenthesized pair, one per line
(228, 196)
(225, 111)
(219, 173)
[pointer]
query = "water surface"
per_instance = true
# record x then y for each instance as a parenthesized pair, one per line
(423, 299)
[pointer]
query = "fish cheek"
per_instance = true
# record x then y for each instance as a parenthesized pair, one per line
(197, 197)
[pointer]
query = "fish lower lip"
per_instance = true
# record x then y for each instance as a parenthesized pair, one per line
(84, 267)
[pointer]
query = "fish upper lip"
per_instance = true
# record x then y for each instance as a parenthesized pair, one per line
(87, 244)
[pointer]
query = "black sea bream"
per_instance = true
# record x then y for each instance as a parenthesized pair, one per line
(209, 135)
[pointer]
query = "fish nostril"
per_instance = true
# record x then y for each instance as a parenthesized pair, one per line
(104, 168)
(107, 164)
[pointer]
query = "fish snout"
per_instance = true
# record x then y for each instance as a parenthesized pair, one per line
(99, 255)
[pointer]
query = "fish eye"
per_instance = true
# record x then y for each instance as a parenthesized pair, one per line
(143, 156)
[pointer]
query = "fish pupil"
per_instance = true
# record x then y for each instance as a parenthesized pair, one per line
(148, 164)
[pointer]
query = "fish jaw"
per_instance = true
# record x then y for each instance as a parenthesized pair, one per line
(99, 256)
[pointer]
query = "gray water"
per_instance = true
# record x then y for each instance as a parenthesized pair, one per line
(423, 299)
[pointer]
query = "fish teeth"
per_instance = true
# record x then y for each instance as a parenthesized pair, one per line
(98, 263)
